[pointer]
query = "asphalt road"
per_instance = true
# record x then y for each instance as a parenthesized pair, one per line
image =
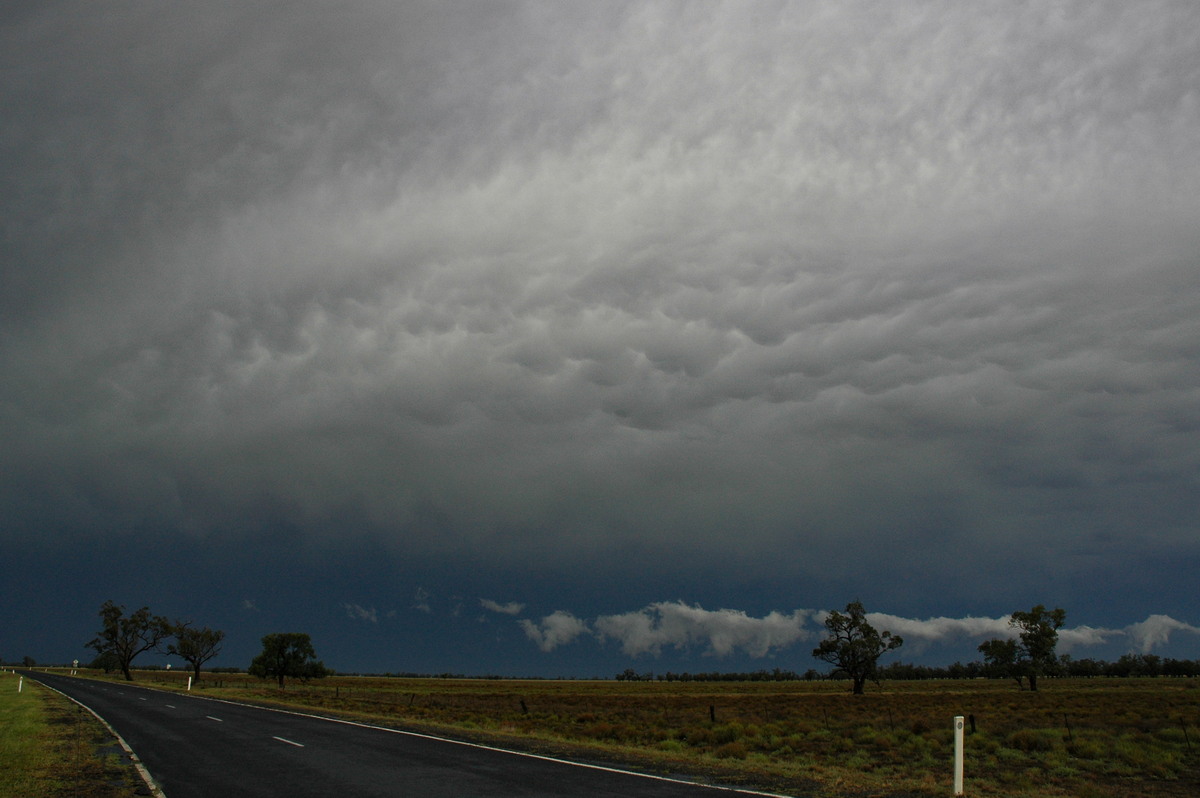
(201, 748)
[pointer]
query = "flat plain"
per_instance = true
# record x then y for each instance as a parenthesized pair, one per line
(1090, 738)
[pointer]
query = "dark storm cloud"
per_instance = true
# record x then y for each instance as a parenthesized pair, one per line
(554, 284)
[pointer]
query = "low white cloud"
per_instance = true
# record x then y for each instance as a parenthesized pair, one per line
(941, 629)
(248, 604)
(511, 608)
(720, 632)
(421, 600)
(361, 613)
(682, 626)
(556, 629)
(1143, 636)
(1083, 636)
(1156, 631)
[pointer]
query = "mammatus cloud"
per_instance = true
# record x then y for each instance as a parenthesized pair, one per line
(511, 608)
(361, 613)
(697, 285)
(554, 630)
(678, 625)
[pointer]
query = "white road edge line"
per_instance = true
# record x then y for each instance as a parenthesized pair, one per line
(289, 742)
(151, 784)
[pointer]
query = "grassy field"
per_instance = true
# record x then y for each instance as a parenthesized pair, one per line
(49, 747)
(1083, 738)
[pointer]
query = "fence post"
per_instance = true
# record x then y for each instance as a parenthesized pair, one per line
(958, 754)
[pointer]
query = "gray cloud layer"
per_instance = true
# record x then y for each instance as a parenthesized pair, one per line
(553, 282)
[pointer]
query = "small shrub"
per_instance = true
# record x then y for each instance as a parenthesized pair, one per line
(843, 745)
(1171, 734)
(1149, 759)
(728, 733)
(1029, 740)
(606, 731)
(1085, 749)
(734, 750)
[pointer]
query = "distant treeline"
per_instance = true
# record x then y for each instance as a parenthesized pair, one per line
(1127, 666)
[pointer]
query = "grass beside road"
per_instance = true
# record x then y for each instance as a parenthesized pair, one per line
(50, 747)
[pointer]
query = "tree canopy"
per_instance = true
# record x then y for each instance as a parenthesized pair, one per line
(287, 655)
(854, 646)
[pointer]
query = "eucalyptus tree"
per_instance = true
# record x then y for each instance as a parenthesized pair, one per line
(287, 655)
(1037, 635)
(122, 637)
(195, 646)
(1031, 653)
(853, 646)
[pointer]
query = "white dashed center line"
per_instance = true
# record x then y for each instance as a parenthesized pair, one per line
(210, 717)
(289, 742)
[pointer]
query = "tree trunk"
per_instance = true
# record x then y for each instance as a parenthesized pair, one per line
(859, 681)
(1033, 682)
(125, 671)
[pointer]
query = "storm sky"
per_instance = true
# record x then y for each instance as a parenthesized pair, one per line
(553, 338)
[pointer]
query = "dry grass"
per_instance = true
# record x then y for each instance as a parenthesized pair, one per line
(1091, 738)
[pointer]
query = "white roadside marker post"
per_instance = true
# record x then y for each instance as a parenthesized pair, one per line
(189, 684)
(20, 684)
(958, 754)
